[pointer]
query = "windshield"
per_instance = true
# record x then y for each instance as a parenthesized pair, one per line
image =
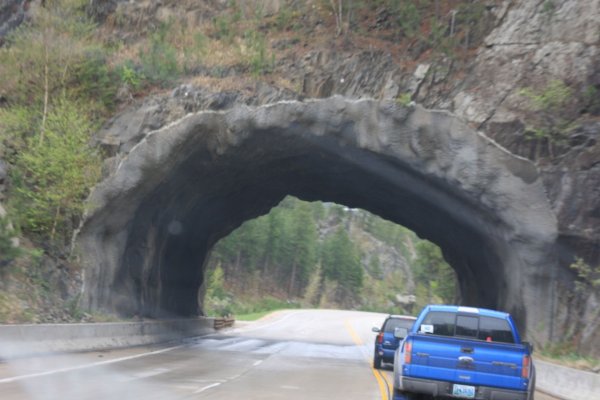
(393, 323)
(472, 326)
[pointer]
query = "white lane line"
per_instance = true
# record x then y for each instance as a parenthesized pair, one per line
(208, 380)
(154, 372)
(230, 379)
(207, 387)
(96, 364)
(267, 325)
(146, 374)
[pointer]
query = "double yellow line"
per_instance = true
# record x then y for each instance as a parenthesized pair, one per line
(382, 381)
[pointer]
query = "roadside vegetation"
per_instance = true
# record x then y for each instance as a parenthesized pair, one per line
(566, 354)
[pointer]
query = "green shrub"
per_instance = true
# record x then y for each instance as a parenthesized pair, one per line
(159, 59)
(194, 54)
(226, 25)
(259, 58)
(93, 79)
(8, 252)
(591, 98)
(54, 171)
(130, 76)
(548, 123)
(404, 99)
(408, 17)
(588, 277)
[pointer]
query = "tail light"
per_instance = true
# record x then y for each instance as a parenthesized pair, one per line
(407, 352)
(380, 338)
(525, 369)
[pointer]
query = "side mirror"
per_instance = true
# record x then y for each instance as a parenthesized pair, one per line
(400, 333)
(375, 329)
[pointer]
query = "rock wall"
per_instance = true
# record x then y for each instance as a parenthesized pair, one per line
(537, 43)
(182, 187)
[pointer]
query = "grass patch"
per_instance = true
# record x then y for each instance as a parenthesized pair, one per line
(560, 354)
(253, 316)
(246, 309)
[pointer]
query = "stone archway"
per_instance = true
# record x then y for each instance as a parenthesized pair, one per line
(153, 221)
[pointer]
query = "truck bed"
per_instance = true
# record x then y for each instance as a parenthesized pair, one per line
(466, 361)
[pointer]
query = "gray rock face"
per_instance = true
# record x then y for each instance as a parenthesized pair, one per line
(124, 131)
(536, 43)
(12, 13)
(152, 222)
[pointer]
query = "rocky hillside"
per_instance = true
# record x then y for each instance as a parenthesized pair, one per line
(525, 73)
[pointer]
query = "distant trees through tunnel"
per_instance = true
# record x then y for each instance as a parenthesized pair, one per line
(325, 255)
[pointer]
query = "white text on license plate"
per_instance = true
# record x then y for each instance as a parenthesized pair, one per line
(465, 391)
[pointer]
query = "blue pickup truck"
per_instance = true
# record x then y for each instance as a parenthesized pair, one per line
(463, 352)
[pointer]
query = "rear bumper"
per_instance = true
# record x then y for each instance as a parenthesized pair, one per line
(443, 388)
(387, 355)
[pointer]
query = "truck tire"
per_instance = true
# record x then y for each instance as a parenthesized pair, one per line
(376, 362)
(531, 394)
(400, 395)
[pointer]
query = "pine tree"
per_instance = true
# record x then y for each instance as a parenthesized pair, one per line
(432, 271)
(53, 176)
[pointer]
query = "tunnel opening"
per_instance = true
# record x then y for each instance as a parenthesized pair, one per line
(146, 242)
(250, 184)
(324, 255)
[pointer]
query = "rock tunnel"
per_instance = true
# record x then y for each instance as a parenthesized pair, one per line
(152, 222)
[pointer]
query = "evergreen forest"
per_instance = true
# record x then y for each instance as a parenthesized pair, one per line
(324, 255)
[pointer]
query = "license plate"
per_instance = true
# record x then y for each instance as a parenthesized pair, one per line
(467, 392)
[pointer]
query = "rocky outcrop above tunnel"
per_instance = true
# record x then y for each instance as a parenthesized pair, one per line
(124, 131)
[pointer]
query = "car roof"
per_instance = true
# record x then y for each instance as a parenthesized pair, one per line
(469, 310)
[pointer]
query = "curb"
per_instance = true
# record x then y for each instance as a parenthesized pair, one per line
(566, 383)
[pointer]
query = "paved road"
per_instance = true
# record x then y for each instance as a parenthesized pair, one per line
(292, 355)
(303, 354)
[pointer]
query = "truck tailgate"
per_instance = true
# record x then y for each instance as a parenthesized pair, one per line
(468, 362)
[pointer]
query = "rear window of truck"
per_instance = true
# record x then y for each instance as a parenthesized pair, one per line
(470, 326)
(393, 323)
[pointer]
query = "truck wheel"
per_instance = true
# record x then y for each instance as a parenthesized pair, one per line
(531, 393)
(400, 395)
(531, 390)
(376, 362)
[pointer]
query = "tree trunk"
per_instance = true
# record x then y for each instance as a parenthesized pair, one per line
(46, 90)
(55, 223)
(292, 280)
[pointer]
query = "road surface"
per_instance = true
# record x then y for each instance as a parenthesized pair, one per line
(300, 354)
